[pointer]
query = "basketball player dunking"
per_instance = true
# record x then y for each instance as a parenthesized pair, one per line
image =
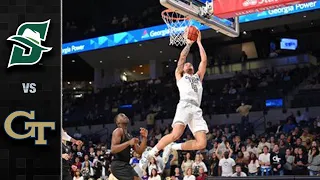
(121, 145)
(188, 110)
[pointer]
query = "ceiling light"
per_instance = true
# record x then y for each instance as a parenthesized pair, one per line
(141, 73)
(74, 88)
(73, 61)
(311, 23)
(140, 66)
(160, 52)
(244, 32)
(134, 71)
(175, 60)
(272, 30)
(100, 61)
(304, 16)
(167, 66)
(140, 45)
(68, 82)
(90, 82)
(128, 57)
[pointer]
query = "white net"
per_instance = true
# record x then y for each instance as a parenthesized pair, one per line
(177, 25)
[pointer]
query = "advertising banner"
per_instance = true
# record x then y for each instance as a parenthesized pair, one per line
(161, 31)
(233, 8)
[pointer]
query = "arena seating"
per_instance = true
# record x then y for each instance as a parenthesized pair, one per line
(221, 96)
(99, 22)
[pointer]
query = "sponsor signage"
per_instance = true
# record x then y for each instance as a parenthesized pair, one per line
(233, 8)
(161, 31)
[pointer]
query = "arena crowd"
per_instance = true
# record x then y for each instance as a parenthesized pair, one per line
(288, 149)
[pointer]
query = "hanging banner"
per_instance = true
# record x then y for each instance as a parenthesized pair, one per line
(233, 8)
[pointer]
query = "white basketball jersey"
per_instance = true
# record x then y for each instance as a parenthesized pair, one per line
(190, 88)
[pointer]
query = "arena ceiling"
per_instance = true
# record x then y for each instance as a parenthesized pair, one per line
(140, 53)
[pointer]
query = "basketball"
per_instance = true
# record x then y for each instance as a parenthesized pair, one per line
(192, 33)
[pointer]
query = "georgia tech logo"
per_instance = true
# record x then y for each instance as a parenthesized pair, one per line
(36, 129)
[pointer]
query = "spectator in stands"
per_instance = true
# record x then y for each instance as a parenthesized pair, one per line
(215, 146)
(277, 161)
(272, 142)
(114, 21)
(282, 146)
(244, 110)
(300, 163)
(87, 170)
(263, 142)
(289, 162)
(186, 163)
(92, 154)
(239, 172)
(243, 162)
(253, 165)
(154, 175)
(236, 146)
(152, 165)
(288, 127)
(214, 165)
(314, 161)
(202, 175)
(151, 120)
(80, 153)
(86, 160)
(77, 163)
(174, 162)
(189, 175)
(197, 164)
(125, 21)
(226, 165)
(246, 154)
(177, 174)
(77, 175)
(264, 161)
(135, 159)
(305, 136)
(251, 147)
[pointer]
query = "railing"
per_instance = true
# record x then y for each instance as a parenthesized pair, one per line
(260, 121)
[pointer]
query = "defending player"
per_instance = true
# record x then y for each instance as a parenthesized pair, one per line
(121, 145)
(66, 165)
(188, 110)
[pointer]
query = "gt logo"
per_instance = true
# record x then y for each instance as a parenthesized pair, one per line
(36, 129)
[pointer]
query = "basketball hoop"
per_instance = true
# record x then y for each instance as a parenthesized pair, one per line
(177, 25)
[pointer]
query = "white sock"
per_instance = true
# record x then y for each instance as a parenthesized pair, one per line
(177, 146)
(154, 150)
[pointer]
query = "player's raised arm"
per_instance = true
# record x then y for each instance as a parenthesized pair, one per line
(203, 64)
(143, 145)
(182, 59)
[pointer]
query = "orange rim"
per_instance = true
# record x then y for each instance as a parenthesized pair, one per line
(173, 18)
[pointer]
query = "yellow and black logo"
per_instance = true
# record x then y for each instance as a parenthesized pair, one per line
(36, 129)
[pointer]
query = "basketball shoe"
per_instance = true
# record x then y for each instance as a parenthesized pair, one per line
(146, 156)
(166, 153)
